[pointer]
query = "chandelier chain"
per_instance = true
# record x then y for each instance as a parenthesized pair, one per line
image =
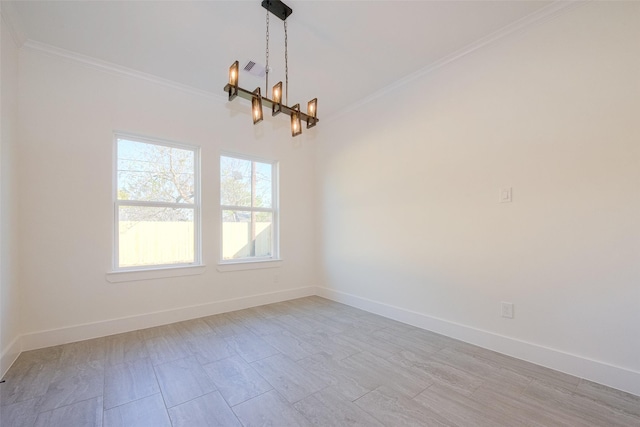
(266, 89)
(286, 63)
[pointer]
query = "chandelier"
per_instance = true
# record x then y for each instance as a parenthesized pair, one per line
(258, 102)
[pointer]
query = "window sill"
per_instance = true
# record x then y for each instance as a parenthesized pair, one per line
(249, 265)
(156, 273)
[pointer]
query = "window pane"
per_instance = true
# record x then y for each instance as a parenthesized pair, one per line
(263, 185)
(235, 182)
(246, 234)
(245, 183)
(150, 172)
(155, 236)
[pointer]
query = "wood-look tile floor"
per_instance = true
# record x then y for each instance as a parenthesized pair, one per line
(297, 363)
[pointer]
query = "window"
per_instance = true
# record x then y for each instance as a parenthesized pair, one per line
(157, 204)
(249, 209)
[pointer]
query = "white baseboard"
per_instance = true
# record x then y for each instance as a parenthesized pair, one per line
(10, 354)
(48, 338)
(599, 372)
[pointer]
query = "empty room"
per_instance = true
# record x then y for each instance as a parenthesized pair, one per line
(439, 227)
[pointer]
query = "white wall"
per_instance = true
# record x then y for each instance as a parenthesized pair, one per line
(409, 184)
(68, 112)
(9, 298)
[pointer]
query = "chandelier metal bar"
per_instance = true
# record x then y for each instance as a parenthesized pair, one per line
(266, 102)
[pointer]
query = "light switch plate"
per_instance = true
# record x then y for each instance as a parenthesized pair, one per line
(506, 195)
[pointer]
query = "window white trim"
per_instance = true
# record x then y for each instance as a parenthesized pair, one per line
(154, 273)
(248, 264)
(251, 263)
(196, 206)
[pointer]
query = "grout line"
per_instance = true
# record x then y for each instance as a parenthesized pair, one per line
(256, 396)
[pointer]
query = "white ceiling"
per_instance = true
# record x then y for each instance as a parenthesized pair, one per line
(339, 51)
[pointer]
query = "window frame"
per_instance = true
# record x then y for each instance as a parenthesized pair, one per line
(196, 205)
(274, 210)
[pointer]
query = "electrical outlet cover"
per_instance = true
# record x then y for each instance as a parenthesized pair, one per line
(507, 310)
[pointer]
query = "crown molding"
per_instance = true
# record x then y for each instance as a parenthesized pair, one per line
(11, 19)
(111, 68)
(528, 21)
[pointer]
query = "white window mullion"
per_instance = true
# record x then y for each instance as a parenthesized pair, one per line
(245, 209)
(155, 204)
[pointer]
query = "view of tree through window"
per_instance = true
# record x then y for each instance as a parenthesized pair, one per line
(247, 202)
(156, 203)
